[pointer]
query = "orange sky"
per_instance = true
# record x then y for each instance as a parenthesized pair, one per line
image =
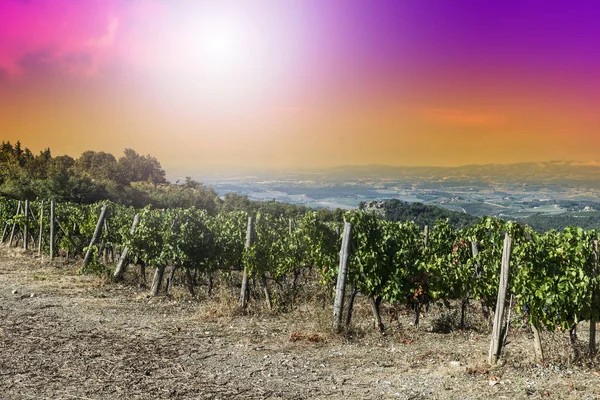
(282, 86)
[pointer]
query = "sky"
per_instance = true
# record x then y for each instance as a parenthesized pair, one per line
(284, 84)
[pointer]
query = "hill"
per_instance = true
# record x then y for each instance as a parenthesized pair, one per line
(421, 214)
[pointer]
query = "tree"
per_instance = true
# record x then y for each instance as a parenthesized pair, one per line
(236, 202)
(135, 168)
(97, 165)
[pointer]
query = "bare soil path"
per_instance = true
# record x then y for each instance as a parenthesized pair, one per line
(65, 336)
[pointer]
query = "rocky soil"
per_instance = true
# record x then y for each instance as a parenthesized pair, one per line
(69, 336)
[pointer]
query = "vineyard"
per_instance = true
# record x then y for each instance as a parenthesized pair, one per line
(552, 282)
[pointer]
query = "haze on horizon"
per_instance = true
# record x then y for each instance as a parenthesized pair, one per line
(273, 84)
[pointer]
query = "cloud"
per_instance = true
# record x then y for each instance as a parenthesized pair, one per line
(3, 74)
(109, 37)
(38, 62)
(78, 63)
(46, 62)
(456, 116)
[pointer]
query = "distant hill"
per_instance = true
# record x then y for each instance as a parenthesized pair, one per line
(543, 223)
(526, 172)
(421, 214)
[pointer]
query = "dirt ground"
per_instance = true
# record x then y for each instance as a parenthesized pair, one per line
(67, 336)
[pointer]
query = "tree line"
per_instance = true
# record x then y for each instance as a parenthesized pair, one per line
(130, 180)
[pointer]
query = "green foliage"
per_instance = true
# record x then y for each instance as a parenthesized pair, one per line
(95, 176)
(543, 223)
(148, 241)
(489, 237)
(554, 280)
(553, 274)
(386, 258)
(448, 263)
(421, 214)
(229, 233)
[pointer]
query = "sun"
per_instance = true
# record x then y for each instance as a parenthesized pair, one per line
(221, 45)
(220, 58)
(218, 55)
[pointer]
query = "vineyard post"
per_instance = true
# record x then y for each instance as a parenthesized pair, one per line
(26, 226)
(593, 319)
(14, 227)
(122, 265)
(4, 232)
(104, 247)
(418, 303)
(244, 289)
(158, 277)
(51, 230)
(97, 232)
(496, 342)
(340, 289)
(475, 252)
(263, 281)
(537, 343)
(32, 216)
(41, 228)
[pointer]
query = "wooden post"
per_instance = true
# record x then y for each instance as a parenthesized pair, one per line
(340, 289)
(41, 228)
(537, 344)
(244, 289)
(417, 305)
(97, 232)
(158, 278)
(475, 252)
(51, 230)
(495, 345)
(26, 226)
(4, 232)
(263, 280)
(14, 227)
(593, 319)
(31, 213)
(122, 264)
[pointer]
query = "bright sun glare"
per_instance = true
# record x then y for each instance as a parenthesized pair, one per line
(221, 45)
(225, 59)
(219, 59)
